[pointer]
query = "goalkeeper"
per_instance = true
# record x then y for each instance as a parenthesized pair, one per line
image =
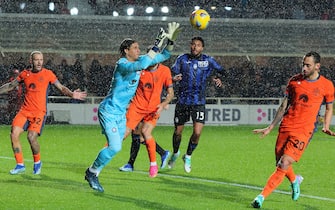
(112, 109)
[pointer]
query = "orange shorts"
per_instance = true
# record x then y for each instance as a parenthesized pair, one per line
(135, 116)
(31, 121)
(292, 144)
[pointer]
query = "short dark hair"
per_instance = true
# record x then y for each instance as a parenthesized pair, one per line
(125, 44)
(199, 38)
(316, 56)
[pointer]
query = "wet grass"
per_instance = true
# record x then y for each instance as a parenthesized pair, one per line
(229, 168)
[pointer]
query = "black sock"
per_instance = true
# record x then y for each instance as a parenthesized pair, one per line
(135, 147)
(176, 142)
(159, 150)
(191, 147)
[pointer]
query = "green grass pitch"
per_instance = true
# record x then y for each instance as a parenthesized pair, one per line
(229, 168)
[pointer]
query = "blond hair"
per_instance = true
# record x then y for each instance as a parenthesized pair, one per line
(35, 52)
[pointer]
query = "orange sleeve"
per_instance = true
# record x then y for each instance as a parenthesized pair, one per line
(329, 96)
(168, 77)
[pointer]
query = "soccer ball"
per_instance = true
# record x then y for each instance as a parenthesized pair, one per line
(199, 19)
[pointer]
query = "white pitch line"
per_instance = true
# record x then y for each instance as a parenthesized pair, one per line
(8, 158)
(239, 185)
(219, 182)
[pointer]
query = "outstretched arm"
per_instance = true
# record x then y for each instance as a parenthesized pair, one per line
(8, 86)
(279, 115)
(76, 94)
(218, 72)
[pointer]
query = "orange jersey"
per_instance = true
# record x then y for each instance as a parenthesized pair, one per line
(305, 99)
(149, 90)
(36, 87)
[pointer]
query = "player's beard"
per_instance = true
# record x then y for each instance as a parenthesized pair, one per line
(307, 75)
(195, 54)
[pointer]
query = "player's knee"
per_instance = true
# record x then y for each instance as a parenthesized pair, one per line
(178, 129)
(32, 137)
(15, 133)
(144, 131)
(177, 134)
(284, 163)
(14, 136)
(195, 137)
(114, 149)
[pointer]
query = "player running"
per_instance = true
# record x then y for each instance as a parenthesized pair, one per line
(298, 114)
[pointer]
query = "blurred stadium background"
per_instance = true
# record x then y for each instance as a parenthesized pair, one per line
(260, 43)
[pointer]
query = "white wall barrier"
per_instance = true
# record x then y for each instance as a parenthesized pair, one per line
(227, 114)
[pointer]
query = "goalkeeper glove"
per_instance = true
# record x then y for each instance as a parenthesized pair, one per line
(173, 31)
(158, 43)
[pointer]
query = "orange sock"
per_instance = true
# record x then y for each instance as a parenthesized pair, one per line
(19, 158)
(290, 174)
(274, 181)
(37, 158)
(151, 147)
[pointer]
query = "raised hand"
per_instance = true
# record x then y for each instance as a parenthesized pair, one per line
(160, 38)
(80, 95)
(173, 31)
